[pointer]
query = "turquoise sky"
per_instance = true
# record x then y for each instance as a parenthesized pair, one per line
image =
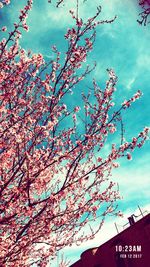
(123, 46)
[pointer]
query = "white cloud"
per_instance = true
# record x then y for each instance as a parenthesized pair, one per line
(61, 16)
(134, 181)
(130, 83)
(143, 60)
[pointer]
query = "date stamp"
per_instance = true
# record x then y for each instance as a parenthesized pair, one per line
(129, 251)
(130, 256)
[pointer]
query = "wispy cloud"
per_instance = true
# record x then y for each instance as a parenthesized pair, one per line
(143, 60)
(130, 83)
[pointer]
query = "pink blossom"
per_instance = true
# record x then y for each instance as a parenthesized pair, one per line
(79, 22)
(26, 27)
(99, 159)
(94, 208)
(126, 104)
(129, 157)
(112, 129)
(76, 109)
(115, 165)
(7, 2)
(4, 29)
(74, 117)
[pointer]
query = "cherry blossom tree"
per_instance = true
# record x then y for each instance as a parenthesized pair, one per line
(54, 177)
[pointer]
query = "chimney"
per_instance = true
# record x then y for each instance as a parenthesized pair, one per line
(131, 220)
